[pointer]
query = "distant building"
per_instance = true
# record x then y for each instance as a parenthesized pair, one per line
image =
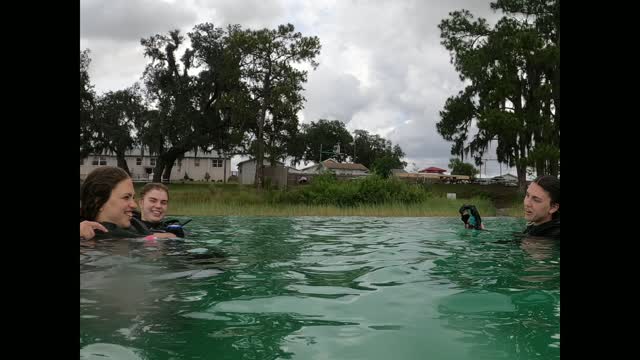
(507, 178)
(337, 168)
(247, 170)
(196, 167)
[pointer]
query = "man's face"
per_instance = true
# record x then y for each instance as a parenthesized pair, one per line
(538, 208)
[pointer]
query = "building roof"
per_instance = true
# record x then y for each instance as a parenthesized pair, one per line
(431, 176)
(263, 160)
(432, 169)
(505, 176)
(332, 164)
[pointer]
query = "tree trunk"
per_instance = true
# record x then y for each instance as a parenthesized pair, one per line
(157, 171)
(554, 168)
(521, 171)
(540, 167)
(224, 167)
(168, 159)
(521, 166)
(122, 162)
(166, 176)
(259, 179)
(259, 157)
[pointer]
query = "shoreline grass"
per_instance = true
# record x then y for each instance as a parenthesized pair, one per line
(513, 209)
(210, 199)
(432, 207)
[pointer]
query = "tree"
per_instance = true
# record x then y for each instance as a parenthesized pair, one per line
(199, 98)
(325, 134)
(461, 168)
(512, 96)
(545, 156)
(383, 165)
(280, 134)
(87, 106)
(224, 107)
(170, 87)
(369, 147)
(274, 84)
(116, 114)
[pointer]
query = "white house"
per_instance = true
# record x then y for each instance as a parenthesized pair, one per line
(509, 177)
(141, 167)
(337, 168)
(247, 170)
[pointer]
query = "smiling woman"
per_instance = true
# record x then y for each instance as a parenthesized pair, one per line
(107, 196)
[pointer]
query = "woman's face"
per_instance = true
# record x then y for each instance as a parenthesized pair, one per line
(154, 205)
(119, 208)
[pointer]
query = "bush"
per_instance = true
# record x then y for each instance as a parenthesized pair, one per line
(326, 190)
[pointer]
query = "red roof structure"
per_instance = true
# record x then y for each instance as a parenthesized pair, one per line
(433, 170)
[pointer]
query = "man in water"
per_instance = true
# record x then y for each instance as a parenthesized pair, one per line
(542, 207)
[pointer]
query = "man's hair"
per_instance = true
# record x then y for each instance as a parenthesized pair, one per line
(551, 185)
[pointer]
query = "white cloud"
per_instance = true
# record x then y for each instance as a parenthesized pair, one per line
(382, 67)
(128, 21)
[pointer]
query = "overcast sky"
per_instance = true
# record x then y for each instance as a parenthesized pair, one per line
(382, 67)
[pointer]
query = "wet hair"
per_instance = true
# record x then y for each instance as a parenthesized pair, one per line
(470, 210)
(96, 189)
(551, 185)
(153, 186)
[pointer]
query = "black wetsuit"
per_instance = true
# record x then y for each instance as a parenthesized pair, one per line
(162, 226)
(549, 229)
(137, 229)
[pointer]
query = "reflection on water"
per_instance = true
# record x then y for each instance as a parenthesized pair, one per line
(323, 288)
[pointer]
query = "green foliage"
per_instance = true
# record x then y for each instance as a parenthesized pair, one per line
(461, 168)
(326, 190)
(325, 134)
(384, 165)
(369, 147)
(274, 85)
(512, 71)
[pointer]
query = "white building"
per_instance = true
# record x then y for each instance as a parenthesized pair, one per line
(247, 170)
(141, 167)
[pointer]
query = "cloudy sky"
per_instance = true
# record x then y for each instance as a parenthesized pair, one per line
(382, 67)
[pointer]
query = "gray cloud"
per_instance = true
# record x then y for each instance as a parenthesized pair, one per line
(248, 13)
(394, 49)
(131, 20)
(382, 67)
(331, 95)
(113, 66)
